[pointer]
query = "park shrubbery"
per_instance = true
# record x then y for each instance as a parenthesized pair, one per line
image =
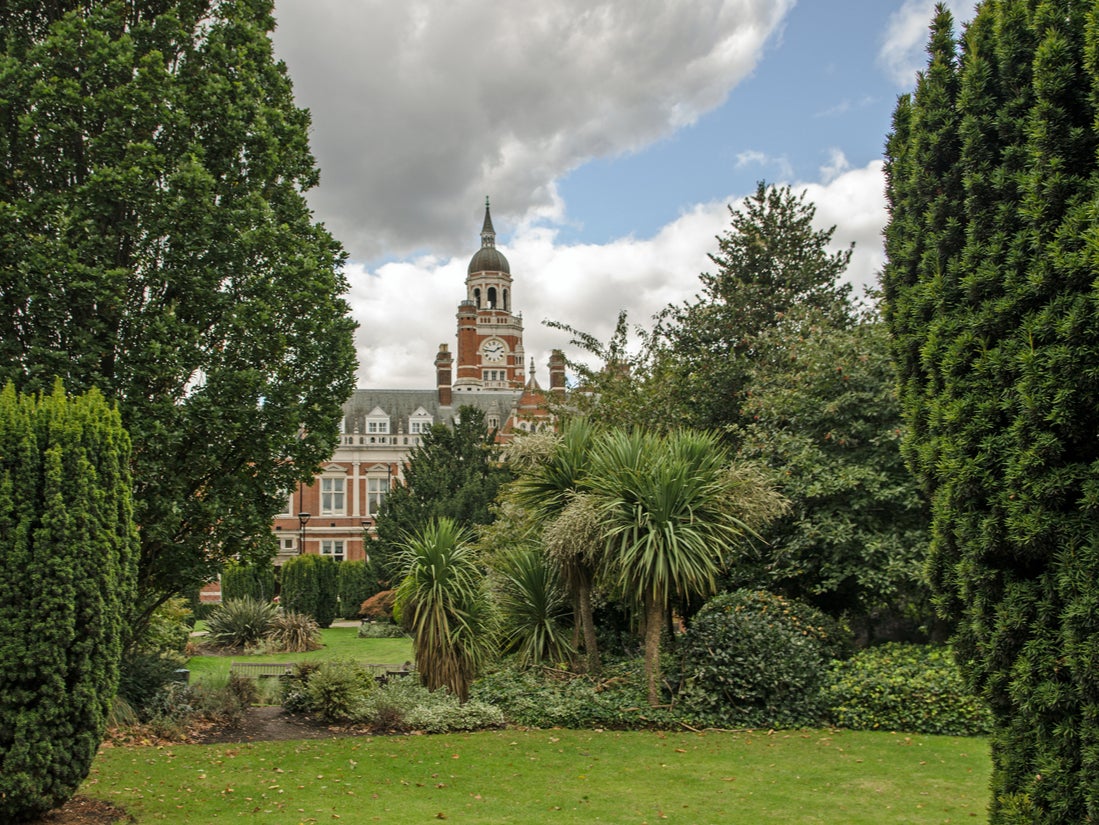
(67, 576)
(240, 623)
(753, 659)
(545, 698)
(342, 691)
(902, 687)
(358, 581)
(256, 581)
(310, 585)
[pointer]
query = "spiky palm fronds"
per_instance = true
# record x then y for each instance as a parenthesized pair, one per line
(443, 601)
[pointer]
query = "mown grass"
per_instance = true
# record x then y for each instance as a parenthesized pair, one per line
(557, 776)
(339, 643)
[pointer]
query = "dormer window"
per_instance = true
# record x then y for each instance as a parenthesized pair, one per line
(377, 422)
(420, 421)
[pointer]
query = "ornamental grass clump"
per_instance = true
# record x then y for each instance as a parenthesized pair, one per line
(292, 633)
(240, 623)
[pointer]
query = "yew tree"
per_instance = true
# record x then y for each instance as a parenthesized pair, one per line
(992, 183)
(155, 243)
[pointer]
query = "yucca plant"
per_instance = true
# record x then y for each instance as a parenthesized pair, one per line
(443, 601)
(533, 608)
(293, 633)
(238, 623)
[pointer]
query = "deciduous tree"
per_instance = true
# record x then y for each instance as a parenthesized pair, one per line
(155, 243)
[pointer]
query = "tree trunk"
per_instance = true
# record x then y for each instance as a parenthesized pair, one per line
(587, 621)
(654, 623)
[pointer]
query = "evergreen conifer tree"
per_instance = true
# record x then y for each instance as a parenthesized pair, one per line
(67, 572)
(996, 345)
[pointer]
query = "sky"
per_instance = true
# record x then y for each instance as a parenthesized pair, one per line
(612, 137)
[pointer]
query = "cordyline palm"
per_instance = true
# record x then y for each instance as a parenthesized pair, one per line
(671, 510)
(550, 488)
(533, 607)
(442, 600)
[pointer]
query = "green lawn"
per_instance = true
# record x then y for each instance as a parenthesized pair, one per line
(339, 643)
(557, 776)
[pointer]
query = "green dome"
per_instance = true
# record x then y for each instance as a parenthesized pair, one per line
(488, 259)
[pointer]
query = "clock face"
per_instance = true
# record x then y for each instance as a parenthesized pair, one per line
(494, 351)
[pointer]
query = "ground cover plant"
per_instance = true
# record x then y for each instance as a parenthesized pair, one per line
(339, 643)
(561, 776)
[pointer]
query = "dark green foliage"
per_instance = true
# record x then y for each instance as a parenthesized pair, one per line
(67, 574)
(358, 581)
(902, 687)
(336, 690)
(455, 473)
(769, 261)
(823, 413)
(240, 623)
(533, 608)
(444, 602)
(144, 677)
(255, 580)
(990, 295)
(548, 698)
(155, 243)
(310, 585)
(753, 659)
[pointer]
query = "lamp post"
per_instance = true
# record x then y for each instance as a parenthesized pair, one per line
(303, 519)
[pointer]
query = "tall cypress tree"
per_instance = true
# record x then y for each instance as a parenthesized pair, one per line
(66, 574)
(1003, 400)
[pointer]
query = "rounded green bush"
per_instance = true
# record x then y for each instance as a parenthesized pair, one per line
(754, 659)
(337, 690)
(904, 687)
(254, 580)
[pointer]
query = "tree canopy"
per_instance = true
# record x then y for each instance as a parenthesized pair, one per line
(155, 243)
(990, 296)
(454, 473)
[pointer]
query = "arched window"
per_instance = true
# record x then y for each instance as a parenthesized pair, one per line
(477, 297)
(507, 304)
(492, 297)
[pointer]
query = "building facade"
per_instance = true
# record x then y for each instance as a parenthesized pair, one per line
(334, 515)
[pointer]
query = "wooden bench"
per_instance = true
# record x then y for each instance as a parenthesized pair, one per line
(256, 670)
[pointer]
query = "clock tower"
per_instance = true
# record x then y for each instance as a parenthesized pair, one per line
(490, 335)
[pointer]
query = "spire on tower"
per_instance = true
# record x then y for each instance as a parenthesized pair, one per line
(488, 234)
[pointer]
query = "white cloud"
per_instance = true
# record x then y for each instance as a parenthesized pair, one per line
(420, 108)
(406, 310)
(753, 157)
(837, 164)
(902, 51)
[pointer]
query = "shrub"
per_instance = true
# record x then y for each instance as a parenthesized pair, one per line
(67, 573)
(405, 704)
(904, 687)
(357, 583)
(238, 623)
(168, 631)
(753, 659)
(379, 607)
(337, 690)
(548, 698)
(381, 630)
(253, 580)
(145, 676)
(310, 585)
(292, 633)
